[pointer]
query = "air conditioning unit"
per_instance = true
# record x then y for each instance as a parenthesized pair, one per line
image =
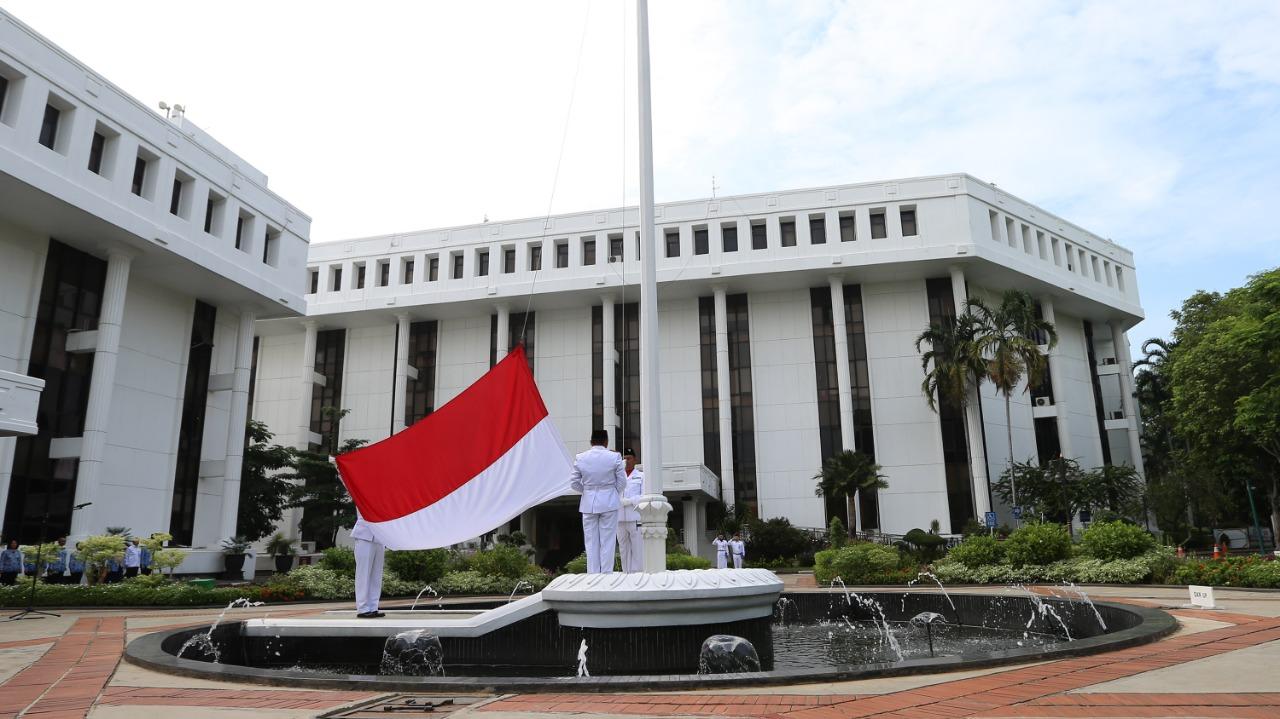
(307, 547)
(1118, 414)
(1044, 402)
(615, 258)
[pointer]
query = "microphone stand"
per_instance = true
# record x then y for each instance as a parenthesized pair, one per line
(31, 612)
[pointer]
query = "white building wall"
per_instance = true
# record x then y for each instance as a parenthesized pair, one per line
(1082, 419)
(277, 395)
(368, 382)
(681, 381)
(788, 451)
(463, 354)
(562, 370)
(146, 409)
(907, 434)
(22, 254)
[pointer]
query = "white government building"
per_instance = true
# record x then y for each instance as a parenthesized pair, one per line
(160, 290)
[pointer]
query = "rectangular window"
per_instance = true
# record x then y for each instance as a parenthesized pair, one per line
(710, 385)
(407, 274)
(271, 247)
(213, 208)
(384, 273)
(817, 229)
(562, 255)
(482, 263)
(1010, 235)
(1057, 251)
(828, 387)
(420, 392)
(520, 328)
(433, 269)
(335, 278)
(49, 126)
(508, 260)
(729, 238)
(787, 231)
(139, 176)
(879, 229)
(742, 403)
(330, 351)
(1120, 278)
(175, 197)
(239, 230)
(672, 240)
(701, 241)
(4, 93)
(97, 147)
(955, 451)
(588, 251)
(759, 235)
(863, 434)
(848, 231)
(535, 258)
(1041, 247)
(457, 265)
(244, 226)
(597, 368)
(315, 281)
(360, 272)
(1026, 239)
(907, 217)
(615, 248)
(995, 225)
(186, 481)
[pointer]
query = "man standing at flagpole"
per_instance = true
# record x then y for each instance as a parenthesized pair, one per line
(369, 556)
(628, 518)
(599, 474)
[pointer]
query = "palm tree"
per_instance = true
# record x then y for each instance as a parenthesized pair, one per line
(845, 474)
(1009, 338)
(953, 365)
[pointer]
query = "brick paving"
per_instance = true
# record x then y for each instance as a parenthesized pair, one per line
(74, 676)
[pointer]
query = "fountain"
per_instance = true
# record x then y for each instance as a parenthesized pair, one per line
(434, 593)
(927, 620)
(727, 654)
(519, 584)
(204, 642)
(414, 653)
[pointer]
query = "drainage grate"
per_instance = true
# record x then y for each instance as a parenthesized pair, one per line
(406, 705)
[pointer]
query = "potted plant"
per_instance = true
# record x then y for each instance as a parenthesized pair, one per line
(233, 554)
(281, 548)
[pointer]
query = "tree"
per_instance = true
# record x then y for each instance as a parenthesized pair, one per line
(953, 368)
(1009, 337)
(844, 475)
(1059, 489)
(264, 489)
(1226, 384)
(317, 489)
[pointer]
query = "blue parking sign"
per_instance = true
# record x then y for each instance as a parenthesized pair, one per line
(991, 519)
(1017, 512)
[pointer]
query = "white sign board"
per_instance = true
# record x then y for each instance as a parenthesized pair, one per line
(1202, 596)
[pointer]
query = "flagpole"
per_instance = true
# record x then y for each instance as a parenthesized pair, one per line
(653, 506)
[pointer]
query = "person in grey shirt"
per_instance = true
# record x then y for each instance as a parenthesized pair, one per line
(599, 474)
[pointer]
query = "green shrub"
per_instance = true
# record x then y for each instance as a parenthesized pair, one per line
(1155, 565)
(926, 546)
(687, 561)
(340, 559)
(323, 582)
(858, 563)
(1246, 571)
(140, 592)
(1038, 543)
(776, 538)
(837, 535)
(502, 561)
(977, 551)
(1116, 540)
(470, 582)
(422, 565)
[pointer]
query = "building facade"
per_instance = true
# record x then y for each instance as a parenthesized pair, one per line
(136, 255)
(788, 324)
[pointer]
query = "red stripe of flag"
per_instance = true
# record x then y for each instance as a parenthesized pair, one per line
(413, 469)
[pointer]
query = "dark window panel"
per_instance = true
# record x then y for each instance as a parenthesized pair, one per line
(908, 219)
(729, 238)
(701, 243)
(848, 232)
(759, 236)
(49, 126)
(787, 233)
(879, 230)
(140, 176)
(97, 147)
(817, 230)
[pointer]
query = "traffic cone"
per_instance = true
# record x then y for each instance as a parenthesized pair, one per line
(1217, 551)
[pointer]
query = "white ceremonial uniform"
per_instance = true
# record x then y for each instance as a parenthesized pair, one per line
(629, 523)
(369, 556)
(738, 549)
(722, 552)
(132, 556)
(601, 476)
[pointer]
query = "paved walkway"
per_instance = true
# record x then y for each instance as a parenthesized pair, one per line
(1219, 664)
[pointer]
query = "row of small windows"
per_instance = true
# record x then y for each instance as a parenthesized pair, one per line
(671, 236)
(1074, 258)
(54, 135)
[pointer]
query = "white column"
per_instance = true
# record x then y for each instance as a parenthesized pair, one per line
(722, 397)
(848, 438)
(307, 383)
(503, 338)
(1059, 389)
(236, 425)
(402, 373)
(609, 353)
(1121, 346)
(972, 415)
(93, 443)
(691, 525)
(653, 506)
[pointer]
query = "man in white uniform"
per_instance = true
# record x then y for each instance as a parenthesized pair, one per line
(600, 476)
(738, 549)
(722, 551)
(369, 555)
(628, 518)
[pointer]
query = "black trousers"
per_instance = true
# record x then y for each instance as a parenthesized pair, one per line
(131, 571)
(8, 578)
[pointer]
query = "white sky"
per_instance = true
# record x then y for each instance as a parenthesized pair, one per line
(1154, 123)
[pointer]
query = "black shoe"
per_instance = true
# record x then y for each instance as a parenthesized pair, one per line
(370, 615)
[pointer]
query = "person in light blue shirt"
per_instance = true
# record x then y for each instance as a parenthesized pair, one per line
(56, 567)
(75, 566)
(10, 563)
(132, 558)
(146, 559)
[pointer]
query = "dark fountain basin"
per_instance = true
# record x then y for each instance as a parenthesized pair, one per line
(812, 637)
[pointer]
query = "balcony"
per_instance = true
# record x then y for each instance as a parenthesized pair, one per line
(19, 401)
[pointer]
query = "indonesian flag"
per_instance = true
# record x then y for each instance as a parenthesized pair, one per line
(472, 465)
